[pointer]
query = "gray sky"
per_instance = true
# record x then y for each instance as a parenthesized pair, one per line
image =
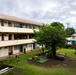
(45, 11)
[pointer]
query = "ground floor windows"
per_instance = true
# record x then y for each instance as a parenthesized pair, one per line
(30, 45)
(17, 47)
(5, 51)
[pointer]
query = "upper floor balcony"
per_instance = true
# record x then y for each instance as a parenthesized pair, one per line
(15, 30)
(15, 42)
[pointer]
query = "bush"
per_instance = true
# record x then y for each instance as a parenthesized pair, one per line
(2, 65)
(68, 46)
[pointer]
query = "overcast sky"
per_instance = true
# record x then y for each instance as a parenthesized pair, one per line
(45, 11)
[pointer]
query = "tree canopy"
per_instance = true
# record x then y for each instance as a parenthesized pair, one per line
(51, 36)
(69, 31)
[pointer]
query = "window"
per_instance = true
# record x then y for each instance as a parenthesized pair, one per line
(2, 23)
(16, 47)
(30, 45)
(5, 21)
(33, 27)
(9, 24)
(17, 25)
(30, 26)
(2, 37)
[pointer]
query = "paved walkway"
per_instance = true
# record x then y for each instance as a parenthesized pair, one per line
(10, 56)
(3, 58)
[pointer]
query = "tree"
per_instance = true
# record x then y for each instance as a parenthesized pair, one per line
(51, 36)
(38, 37)
(57, 24)
(69, 31)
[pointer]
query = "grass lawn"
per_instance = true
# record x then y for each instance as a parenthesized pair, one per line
(22, 67)
(69, 52)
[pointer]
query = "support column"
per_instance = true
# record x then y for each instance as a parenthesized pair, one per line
(0, 22)
(12, 36)
(27, 36)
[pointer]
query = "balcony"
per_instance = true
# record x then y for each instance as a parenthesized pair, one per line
(15, 42)
(15, 30)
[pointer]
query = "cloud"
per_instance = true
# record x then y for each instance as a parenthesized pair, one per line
(74, 3)
(44, 11)
(73, 12)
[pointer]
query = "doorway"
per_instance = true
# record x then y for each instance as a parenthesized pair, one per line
(21, 48)
(34, 46)
(10, 37)
(10, 51)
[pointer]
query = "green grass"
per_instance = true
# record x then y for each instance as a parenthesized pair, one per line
(69, 52)
(21, 66)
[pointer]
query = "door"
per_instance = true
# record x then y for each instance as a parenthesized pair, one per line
(2, 51)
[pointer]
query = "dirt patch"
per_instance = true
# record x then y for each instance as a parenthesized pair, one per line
(68, 62)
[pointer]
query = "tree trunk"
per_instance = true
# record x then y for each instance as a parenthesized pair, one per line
(42, 48)
(54, 51)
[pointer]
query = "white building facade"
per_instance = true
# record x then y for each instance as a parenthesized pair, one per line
(16, 35)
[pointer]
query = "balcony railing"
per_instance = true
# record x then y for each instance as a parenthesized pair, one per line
(15, 30)
(15, 42)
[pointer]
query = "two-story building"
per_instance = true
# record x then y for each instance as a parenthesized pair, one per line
(16, 35)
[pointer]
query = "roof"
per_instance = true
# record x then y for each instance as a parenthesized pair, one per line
(74, 35)
(16, 19)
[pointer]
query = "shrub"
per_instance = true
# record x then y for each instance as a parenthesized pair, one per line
(38, 53)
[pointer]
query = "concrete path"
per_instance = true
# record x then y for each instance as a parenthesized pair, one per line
(10, 56)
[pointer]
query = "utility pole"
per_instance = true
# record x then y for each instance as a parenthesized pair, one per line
(67, 25)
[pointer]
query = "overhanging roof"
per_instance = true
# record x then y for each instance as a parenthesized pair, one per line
(16, 19)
